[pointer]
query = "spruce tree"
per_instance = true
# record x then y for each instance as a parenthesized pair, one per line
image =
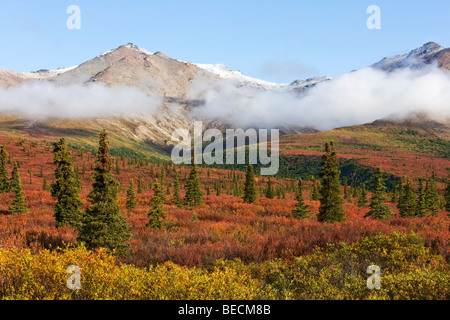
(14, 181)
(270, 193)
(407, 201)
(176, 191)
(139, 189)
(19, 204)
(315, 193)
(301, 209)
(45, 184)
(250, 186)
(163, 175)
(4, 183)
(394, 197)
(194, 194)
(378, 208)
(131, 201)
(362, 200)
(355, 194)
(104, 226)
(157, 213)
(331, 209)
(432, 200)
(218, 189)
(447, 196)
(421, 204)
(66, 188)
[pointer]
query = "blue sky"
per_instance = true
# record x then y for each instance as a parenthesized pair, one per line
(272, 40)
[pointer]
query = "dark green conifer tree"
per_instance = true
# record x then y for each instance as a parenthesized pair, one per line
(331, 209)
(315, 193)
(176, 191)
(4, 183)
(139, 189)
(194, 194)
(362, 200)
(378, 208)
(421, 205)
(45, 185)
(104, 226)
(131, 201)
(250, 186)
(270, 193)
(394, 197)
(432, 200)
(19, 204)
(447, 195)
(157, 213)
(407, 201)
(301, 210)
(66, 189)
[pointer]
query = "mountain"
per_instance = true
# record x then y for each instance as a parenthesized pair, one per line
(155, 74)
(148, 134)
(429, 53)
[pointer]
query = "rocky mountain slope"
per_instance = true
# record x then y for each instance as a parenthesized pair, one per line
(158, 75)
(429, 53)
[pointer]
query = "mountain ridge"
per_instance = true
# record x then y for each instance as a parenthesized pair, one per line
(157, 74)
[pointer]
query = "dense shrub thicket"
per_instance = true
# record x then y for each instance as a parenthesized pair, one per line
(408, 271)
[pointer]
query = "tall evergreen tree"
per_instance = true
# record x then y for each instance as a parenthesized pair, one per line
(157, 213)
(250, 186)
(15, 178)
(407, 201)
(447, 196)
(315, 192)
(331, 209)
(270, 193)
(432, 200)
(421, 204)
(176, 191)
(45, 185)
(19, 204)
(4, 183)
(139, 189)
(362, 200)
(301, 210)
(394, 197)
(104, 226)
(378, 208)
(194, 194)
(66, 188)
(131, 201)
(355, 194)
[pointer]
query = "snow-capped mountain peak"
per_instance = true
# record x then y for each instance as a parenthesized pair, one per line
(238, 77)
(414, 59)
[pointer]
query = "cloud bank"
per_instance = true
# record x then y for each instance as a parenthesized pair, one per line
(41, 100)
(355, 98)
(351, 99)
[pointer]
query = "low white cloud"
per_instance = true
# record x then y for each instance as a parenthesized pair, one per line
(354, 98)
(41, 100)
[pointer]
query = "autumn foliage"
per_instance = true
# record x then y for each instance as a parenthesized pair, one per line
(239, 249)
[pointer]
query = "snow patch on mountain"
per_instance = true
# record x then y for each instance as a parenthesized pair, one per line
(238, 77)
(414, 59)
(41, 74)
